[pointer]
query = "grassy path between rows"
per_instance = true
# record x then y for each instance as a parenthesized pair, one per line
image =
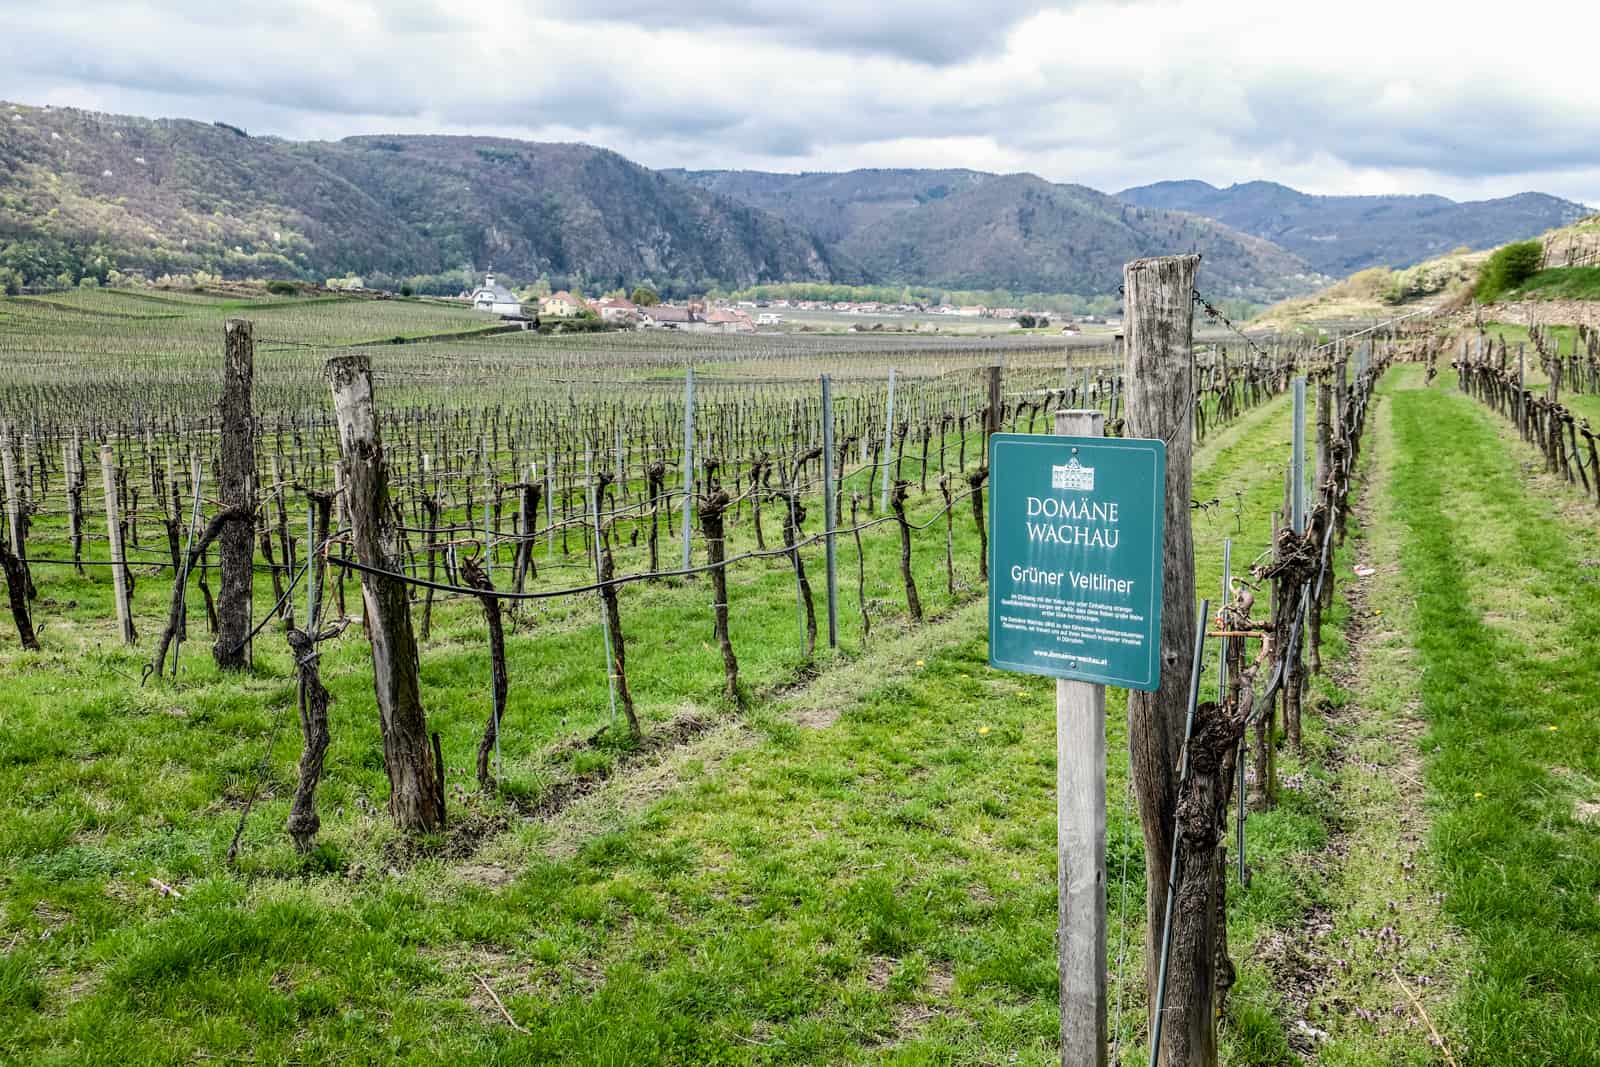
(1452, 760)
(1503, 565)
(1357, 922)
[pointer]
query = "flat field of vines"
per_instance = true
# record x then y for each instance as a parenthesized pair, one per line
(693, 809)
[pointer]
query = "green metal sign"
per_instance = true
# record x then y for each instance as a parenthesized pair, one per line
(1075, 543)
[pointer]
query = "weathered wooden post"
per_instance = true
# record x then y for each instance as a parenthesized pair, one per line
(236, 549)
(991, 421)
(14, 558)
(416, 798)
(1081, 842)
(14, 509)
(688, 463)
(1159, 372)
(119, 568)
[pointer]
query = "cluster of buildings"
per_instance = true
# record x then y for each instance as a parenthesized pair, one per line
(874, 307)
(745, 316)
(695, 316)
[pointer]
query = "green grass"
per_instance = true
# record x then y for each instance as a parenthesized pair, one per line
(1505, 623)
(859, 869)
(880, 890)
(1562, 283)
(1586, 405)
(1455, 775)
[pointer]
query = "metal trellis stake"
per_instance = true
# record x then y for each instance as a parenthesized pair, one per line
(1158, 1011)
(1297, 460)
(688, 458)
(828, 511)
(888, 442)
(312, 587)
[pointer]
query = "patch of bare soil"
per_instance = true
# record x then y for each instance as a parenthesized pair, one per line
(485, 874)
(911, 1015)
(817, 718)
(488, 975)
(650, 749)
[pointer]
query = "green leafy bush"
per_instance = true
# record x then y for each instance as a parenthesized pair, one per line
(279, 287)
(1508, 268)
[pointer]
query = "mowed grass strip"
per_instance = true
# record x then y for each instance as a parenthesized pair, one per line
(1507, 627)
(1322, 980)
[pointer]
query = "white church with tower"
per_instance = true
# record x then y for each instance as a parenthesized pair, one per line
(492, 296)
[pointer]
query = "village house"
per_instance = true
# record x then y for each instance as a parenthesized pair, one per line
(494, 297)
(666, 317)
(562, 305)
(616, 310)
(726, 320)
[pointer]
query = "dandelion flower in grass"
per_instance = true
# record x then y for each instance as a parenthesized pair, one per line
(920, 663)
(1477, 796)
(983, 731)
(1551, 727)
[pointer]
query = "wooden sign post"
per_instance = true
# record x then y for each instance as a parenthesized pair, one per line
(1081, 842)
(1075, 585)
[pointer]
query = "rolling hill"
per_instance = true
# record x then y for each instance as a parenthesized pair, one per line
(835, 205)
(169, 196)
(1340, 234)
(1022, 233)
(84, 193)
(971, 230)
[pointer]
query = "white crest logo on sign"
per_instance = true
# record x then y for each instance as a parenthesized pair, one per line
(1071, 475)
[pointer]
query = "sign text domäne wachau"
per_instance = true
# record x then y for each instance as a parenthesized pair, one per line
(1075, 543)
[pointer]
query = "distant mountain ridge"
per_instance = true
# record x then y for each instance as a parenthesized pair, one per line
(832, 204)
(967, 229)
(1339, 235)
(83, 192)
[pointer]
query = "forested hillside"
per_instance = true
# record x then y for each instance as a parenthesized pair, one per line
(83, 193)
(969, 230)
(1021, 232)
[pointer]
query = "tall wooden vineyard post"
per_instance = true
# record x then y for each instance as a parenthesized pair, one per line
(119, 569)
(1159, 373)
(236, 550)
(416, 797)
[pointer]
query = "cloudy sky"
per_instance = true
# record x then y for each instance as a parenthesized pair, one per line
(1355, 97)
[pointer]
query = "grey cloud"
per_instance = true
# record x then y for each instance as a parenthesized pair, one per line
(935, 32)
(1476, 132)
